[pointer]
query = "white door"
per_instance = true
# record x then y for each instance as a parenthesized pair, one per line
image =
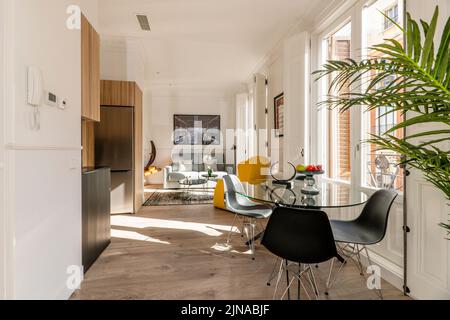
(428, 269)
(260, 116)
(241, 127)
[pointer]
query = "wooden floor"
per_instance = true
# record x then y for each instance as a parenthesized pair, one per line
(171, 253)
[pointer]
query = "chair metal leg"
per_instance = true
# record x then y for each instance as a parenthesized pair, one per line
(249, 230)
(308, 276)
(329, 276)
(231, 230)
(243, 227)
(290, 282)
(288, 289)
(252, 236)
(272, 274)
(332, 279)
(298, 281)
(301, 273)
(358, 257)
(315, 287)
(306, 291)
(280, 273)
(287, 281)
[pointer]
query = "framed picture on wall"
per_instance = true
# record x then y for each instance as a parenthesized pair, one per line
(196, 129)
(279, 115)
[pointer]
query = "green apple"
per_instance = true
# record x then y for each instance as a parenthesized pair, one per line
(301, 168)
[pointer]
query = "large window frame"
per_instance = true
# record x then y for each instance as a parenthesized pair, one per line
(320, 52)
(319, 90)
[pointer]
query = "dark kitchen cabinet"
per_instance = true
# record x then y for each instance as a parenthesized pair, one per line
(96, 223)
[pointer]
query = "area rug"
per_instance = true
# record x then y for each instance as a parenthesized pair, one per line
(180, 197)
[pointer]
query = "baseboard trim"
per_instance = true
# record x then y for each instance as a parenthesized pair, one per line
(390, 272)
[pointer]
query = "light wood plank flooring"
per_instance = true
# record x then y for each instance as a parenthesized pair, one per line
(167, 253)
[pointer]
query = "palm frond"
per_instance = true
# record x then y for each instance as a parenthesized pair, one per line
(421, 89)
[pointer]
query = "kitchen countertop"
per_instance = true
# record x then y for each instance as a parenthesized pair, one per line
(87, 170)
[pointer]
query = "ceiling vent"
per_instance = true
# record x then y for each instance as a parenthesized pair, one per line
(143, 22)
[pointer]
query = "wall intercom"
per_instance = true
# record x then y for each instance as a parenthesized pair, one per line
(35, 86)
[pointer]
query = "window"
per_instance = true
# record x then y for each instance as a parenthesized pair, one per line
(340, 136)
(392, 13)
(380, 169)
(338, 124)
(385, 119)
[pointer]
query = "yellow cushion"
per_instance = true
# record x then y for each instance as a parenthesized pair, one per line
(250, 170)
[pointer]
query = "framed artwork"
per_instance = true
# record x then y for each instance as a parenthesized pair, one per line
(279, 115)
(196, 129)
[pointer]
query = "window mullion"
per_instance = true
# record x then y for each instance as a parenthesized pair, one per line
(356, 114)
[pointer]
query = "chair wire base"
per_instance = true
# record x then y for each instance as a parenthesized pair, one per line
(350, 252)
(300, 272)
(249, 228)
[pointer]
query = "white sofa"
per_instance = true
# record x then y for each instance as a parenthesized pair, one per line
(193, 164)
(172, 178)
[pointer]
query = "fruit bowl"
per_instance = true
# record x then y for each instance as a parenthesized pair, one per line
(310, 170)
(311, 173)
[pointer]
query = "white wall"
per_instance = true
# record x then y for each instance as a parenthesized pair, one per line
(273, 69)
(275, 77)
(165, 103)
(282, 79)
(297, 102)
(122, 60)
(428, 249)
(3, 259)
(45, 164)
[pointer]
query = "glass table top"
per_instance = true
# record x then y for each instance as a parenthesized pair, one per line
(192, 182)
(327, 195)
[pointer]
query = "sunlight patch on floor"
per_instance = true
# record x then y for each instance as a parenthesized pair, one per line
(142, 223)
(224, 247)
(131, 235)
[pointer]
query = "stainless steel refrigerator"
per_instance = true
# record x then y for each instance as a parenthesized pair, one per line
(114, 148)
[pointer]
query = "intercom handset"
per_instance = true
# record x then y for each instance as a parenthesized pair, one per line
(35, 86)
(35, 93)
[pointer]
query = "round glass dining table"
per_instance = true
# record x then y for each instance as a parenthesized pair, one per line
(293, 195)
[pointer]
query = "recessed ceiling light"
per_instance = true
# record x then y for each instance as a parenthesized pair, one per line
(143, 22)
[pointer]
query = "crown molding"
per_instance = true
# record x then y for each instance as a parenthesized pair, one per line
(301, 25)
(121, 44)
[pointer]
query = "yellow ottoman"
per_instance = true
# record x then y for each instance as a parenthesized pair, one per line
(219, 195)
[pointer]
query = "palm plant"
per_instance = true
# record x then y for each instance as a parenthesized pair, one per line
(421, 90)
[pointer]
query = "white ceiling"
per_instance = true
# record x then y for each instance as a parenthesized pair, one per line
(205, 41)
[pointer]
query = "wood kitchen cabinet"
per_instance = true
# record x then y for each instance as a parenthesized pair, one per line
(138, 158)
(90, 71)
(125, 94)
(88, 143)
(96, 214)
(118, 93)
